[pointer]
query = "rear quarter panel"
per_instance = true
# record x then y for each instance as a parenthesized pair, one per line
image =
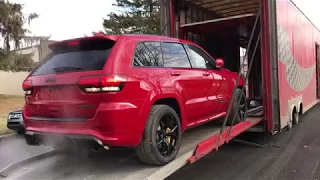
(296, 59)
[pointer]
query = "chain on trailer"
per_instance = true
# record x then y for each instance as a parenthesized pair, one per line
(239, 76)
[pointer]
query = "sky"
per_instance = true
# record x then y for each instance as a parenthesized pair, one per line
(64, 19)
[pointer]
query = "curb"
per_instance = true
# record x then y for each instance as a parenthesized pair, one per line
(7, 135)
(5, 170)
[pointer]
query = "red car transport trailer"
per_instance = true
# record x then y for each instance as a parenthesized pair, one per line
(279, 63)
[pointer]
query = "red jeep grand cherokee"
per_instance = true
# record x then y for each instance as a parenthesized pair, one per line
(137, 91)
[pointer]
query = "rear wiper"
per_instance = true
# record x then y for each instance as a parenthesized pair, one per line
(67, 68)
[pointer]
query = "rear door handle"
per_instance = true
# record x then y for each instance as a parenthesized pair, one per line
(206, 73)
(175, 74)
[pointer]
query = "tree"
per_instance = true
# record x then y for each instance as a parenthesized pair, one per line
(134, 16)
(11, 23)
(12, 61)
(12, 31)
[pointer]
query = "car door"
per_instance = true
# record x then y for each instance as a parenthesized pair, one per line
(190, 83)
(216, 99)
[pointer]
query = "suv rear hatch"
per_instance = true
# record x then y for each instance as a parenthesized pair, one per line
(66, 85)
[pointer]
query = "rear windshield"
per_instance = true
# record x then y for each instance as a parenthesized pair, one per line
(84, 55)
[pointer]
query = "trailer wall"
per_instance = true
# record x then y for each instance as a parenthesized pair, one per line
(297, 38)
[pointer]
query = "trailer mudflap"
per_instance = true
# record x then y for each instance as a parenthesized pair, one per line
(217, 140)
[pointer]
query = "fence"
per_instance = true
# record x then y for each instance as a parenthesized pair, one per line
(10, 82)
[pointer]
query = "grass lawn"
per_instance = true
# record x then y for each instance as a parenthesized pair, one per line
(7, 104)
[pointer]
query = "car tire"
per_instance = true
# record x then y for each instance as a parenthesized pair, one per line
(154, 142)
(235, 111)
(31, 140)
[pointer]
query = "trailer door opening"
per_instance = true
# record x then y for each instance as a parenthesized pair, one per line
(223, 28)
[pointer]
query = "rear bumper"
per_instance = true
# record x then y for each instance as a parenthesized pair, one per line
(110, 126)
(15, 126)
(40, 135)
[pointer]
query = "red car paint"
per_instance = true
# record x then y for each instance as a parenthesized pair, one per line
(119, 118)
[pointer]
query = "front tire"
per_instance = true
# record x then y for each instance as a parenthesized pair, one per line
(239, 114)
(160, 143)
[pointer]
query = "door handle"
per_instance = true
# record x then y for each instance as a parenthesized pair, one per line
(175, 74)
(206, 73)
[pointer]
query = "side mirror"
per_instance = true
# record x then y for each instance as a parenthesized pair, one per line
(219, 63)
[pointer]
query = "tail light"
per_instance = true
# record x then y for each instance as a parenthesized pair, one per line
(27, 87)
(101, 83)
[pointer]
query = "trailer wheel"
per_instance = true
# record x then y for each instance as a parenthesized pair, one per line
(291, 120)
(289, 126)
(160, 143)
(240, 113)
(295, 117)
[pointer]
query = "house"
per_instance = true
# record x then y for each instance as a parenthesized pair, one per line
(39, 50)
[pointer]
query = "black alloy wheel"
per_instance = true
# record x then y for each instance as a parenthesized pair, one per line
(161, 139)
(167, 135)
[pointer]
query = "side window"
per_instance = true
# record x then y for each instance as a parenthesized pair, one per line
(148, 54)
(174, 55)
(200, 59)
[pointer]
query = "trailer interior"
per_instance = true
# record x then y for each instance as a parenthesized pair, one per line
(231, 30)
(223, 28)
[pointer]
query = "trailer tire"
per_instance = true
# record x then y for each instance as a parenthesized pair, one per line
(295, 116)
(289, 126)
(155, 136)
(235, 111)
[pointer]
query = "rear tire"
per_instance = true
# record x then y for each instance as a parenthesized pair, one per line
(240, 112)
(160, 143)
(32, 140)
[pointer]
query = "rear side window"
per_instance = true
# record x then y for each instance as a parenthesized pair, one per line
(174, 55)
(148, 54)
(83, 55)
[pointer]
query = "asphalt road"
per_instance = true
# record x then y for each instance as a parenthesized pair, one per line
(14, 148)
(292, 155)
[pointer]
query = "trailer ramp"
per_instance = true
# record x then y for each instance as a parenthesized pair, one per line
(123, 163)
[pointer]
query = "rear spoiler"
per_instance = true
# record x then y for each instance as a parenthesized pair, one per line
(96, 36)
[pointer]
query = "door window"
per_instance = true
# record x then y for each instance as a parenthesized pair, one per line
(175, 56)
(199, 59)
